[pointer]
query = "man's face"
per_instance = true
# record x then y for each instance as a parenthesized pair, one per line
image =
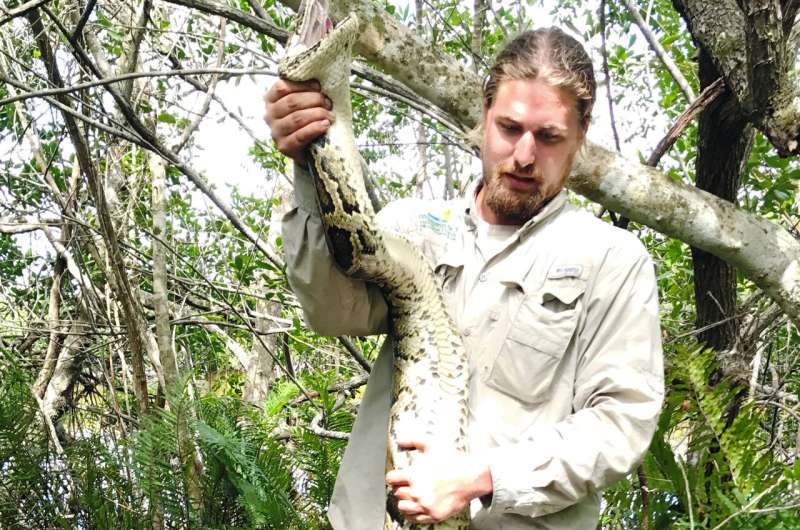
(530, 136)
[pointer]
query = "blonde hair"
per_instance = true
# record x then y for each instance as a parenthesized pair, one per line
(552, 56)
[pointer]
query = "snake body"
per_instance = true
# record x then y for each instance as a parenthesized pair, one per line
(429, 397)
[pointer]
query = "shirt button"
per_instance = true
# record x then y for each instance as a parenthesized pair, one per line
(467, 332)
(482, 277)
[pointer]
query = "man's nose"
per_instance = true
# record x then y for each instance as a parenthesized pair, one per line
(525, 150)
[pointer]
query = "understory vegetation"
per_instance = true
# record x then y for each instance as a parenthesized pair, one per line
(155, 368)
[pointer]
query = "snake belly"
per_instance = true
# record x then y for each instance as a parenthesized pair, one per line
(429, 395)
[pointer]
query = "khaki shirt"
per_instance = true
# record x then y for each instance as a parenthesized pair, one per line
(561, 325)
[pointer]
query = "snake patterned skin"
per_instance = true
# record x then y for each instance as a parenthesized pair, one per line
(430, 380)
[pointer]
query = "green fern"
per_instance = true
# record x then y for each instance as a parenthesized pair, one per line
(735, 438)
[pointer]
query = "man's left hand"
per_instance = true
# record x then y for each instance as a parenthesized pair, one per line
(439, 484)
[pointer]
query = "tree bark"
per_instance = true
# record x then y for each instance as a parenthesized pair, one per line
(749, 48)
(172, 378)
(723, 148)
(259, 368)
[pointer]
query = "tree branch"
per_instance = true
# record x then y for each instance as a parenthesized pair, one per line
(744, 51)
(21, 10)
(201, 114)
(607, 74)
(662, 54)
(134, 321)
(763, 251)
(261, 25)
(702, 102)
(123, 77)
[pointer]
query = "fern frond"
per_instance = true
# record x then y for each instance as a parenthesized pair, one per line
(736, 437)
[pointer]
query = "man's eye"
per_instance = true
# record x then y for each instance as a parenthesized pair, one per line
(509, 127)
(548, 138)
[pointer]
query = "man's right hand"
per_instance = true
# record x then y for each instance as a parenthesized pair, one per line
(296, 113)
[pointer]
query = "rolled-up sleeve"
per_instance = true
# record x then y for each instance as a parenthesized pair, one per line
(618, 392)
(333, 303)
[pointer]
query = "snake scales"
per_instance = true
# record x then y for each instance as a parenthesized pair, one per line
(430, 382)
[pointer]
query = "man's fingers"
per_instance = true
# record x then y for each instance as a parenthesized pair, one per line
(408, 507)
(305, 135)
(294, 144)
(419, 445)
(295, 122)
(283, 87)
(296, 102)
(397, 478)
(404, 493)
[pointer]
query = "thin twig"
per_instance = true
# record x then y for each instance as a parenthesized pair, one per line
(20, 11)
(344, 386)
(706, 98)
(192, 127)
(128, 76)
(640, 473)
(604, 53)
(355, 353)
(688, 493)
(666, 60)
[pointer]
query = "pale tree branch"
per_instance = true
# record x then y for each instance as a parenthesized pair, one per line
(63, 105)
(316, 427)
(54, 303)
(217, 72)
(607, 74)
(662, 54)
(11, 227)
(130, 61)
(192, 468)
(479, 8)
(763, 251)
(21, 10)
(206, 105)
(155, 144)
(54, 341)
(120, 282)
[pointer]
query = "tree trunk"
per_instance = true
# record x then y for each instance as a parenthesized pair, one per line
(723, 148)
(192, 469)
(259, 370)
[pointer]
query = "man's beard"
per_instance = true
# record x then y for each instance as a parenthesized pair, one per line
(514, 207)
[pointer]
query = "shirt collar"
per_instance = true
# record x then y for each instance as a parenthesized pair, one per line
(471, 210)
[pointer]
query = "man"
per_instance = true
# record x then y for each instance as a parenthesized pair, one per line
(558, 312)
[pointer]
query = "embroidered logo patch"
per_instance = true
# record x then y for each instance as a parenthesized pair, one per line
(565, 271)
(438, 225)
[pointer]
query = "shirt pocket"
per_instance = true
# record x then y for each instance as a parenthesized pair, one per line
(539, 334)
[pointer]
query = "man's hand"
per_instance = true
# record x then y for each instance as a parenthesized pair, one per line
(439, 484)
(296, 113)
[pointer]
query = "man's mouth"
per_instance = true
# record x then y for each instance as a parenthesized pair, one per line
(518, 182)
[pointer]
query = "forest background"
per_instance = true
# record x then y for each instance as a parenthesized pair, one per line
(155, 369)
